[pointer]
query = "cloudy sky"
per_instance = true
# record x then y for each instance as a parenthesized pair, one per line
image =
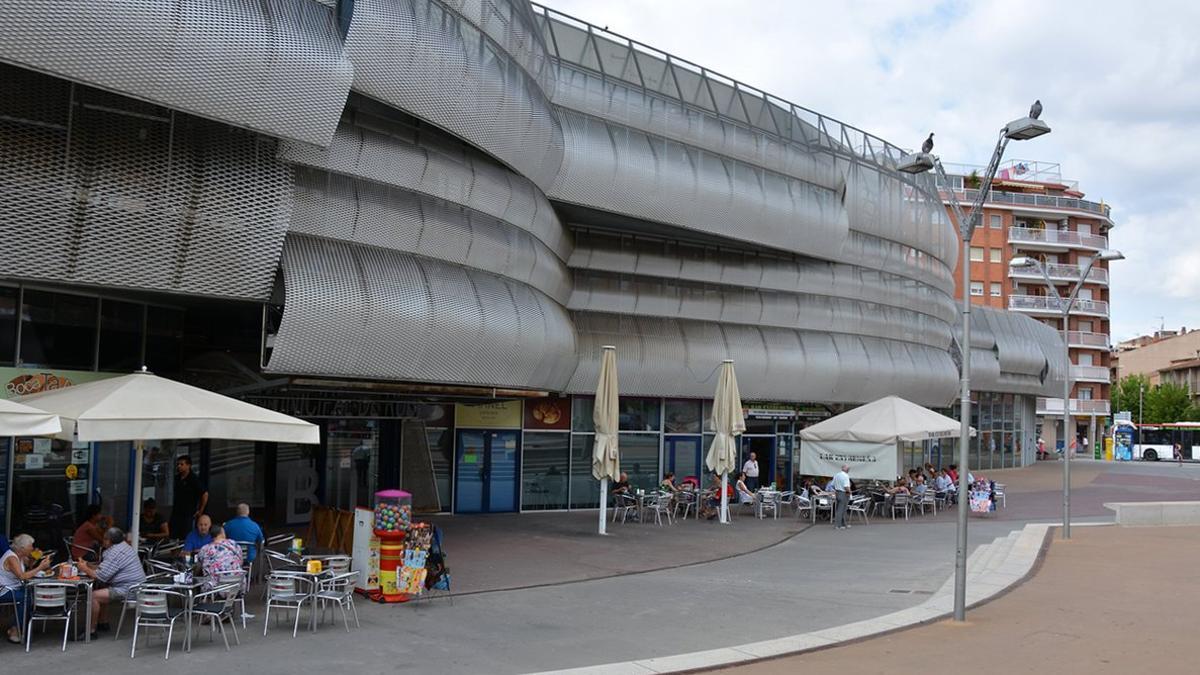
(1120, 82)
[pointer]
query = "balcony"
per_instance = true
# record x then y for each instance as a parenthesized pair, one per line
(1083, 407)
(1089, 374)
(1085, 340)
(1042, 304)
(1051, 239)
(1057, 272)
(1023, 199)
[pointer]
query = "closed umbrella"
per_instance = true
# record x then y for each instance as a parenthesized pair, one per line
(21, 420)
(728, 422)
(142, 406)
(606, 460)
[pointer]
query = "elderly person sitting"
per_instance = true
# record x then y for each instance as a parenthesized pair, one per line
(13, 574)
(199, 537)
(119, 568)
(242, 528)
(220, 555)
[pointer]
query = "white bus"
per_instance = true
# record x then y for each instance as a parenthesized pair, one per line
(1155, 441)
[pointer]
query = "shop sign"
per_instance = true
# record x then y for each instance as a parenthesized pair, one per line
(551, 414)
(77, 487)
(34, 461)
(25, 381)
(813, 411)
(769, 411)
(80, 455)
(499, 415)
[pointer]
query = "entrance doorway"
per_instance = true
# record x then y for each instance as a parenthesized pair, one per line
(487, 471)
(682, 455)
(763, 448)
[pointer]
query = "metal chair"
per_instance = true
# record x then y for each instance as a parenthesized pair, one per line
(803, 505)
(49, 604)
(130, 601)
(686, 500)
(927, 499)
(217, 605)
(859, 505)
(659, 504)
(623, 505)
(999, 492)
(900, 502)
(11, 604)
(154, 610)
(339, 590)
(240, 578)
(287, 592)
(338, 564)
(284, 538)
(769, 501)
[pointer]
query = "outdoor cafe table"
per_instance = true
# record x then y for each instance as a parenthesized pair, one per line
(81, 584)
(189, 591)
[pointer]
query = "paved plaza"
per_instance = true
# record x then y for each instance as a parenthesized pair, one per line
(575, 599)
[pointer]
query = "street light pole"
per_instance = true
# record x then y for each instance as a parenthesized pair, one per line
(1065, 309)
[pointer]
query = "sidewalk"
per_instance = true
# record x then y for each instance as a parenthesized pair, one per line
(1111, 600)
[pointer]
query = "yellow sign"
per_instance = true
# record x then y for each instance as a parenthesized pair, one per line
(72, 471)
(499, 415)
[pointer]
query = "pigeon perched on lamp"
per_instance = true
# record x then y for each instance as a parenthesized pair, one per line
(1035, 110)
(927, 146)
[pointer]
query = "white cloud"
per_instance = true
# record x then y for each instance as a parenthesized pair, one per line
(1120, 82)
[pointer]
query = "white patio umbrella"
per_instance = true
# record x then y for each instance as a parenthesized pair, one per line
(141, 407)
(22, 420)
(728, 422)
(606, 459)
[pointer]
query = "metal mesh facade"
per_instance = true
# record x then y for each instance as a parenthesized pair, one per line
(1015, 353)
(100, 189)
(425, 59)
(275, 66)
(362, 311)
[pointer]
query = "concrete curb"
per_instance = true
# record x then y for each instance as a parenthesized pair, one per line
(992, 570)
(1155, 514)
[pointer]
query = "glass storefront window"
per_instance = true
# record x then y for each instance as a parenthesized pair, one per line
(352, 463)
(581, 413)
(639, 459)
(296, 483)
(46, 503)
(164, 339)
(585, 490)
(544, 470)
(112, 479)
(235, 474)
(9, 297)
(639, 414)
(58, 330)
(682, 417)
(120, 335)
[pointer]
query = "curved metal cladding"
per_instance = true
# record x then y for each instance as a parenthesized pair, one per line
(427, 59)
(1013, 353)
(361, 311)
(673, 357)
(275, 66)
(102, 189)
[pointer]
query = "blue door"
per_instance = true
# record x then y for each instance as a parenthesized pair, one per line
(682, 455)
(487, 471)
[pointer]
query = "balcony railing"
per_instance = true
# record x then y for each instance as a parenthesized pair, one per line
(1077, 338)
(1022, 199)
(1090, 373)
(1054, 406)
(1067, 238)
(1063, 272)
(1045, 303)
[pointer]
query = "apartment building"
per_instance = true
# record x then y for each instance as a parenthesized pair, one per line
(1032, 211)
(1167, 356)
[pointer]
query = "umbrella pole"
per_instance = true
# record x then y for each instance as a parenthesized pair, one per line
(135, 525)
(725, 498)
(603, 505)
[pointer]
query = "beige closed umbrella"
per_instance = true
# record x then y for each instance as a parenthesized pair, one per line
(606, 459)
(728, 422)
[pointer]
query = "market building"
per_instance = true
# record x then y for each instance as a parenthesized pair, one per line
(416, 223)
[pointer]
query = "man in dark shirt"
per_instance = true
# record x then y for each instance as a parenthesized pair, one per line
(191, 497)
(621, 486)
(153, 528)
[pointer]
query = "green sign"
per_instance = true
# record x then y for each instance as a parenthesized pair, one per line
(23, 381)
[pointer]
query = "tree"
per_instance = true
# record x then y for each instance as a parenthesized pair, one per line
(1168, 402)
(1125, 394)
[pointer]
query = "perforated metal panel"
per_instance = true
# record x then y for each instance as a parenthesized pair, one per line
(669, 357)
(357, 311)
(275, 66)
(1015, 354)
(425, 59)
(116, 192)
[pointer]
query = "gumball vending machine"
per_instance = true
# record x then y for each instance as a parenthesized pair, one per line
(393, 518)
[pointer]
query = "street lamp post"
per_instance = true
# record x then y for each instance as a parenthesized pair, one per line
(1021, 129)
(1065, 308)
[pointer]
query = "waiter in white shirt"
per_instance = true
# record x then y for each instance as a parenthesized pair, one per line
(841, 485)
(750, 468)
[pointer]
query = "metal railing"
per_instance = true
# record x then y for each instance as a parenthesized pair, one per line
(1064, 272)
(1036, 235)
(1052, 406)
(656, 72)
(1090, 373)
(1045, 303)
(1046, 201)
(1076, 337)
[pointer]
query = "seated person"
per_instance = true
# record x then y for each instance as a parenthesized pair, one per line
(153, 527)
(919, 485)
(198, 537)
(712, 501)
(942, 482)
(14, 571)
(668, 482)
(220, 555)
(953, 473)
(745, 496)
(241, 528)
(89, 534)
(829, 486)
(621, 487)
(121, 570)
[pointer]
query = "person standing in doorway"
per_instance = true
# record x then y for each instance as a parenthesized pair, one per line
(841, 486)
(191, 498)
(750, 468)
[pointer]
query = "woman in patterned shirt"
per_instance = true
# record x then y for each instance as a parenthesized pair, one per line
(222, 555)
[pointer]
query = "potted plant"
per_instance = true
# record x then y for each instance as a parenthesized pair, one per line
(973, 181)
